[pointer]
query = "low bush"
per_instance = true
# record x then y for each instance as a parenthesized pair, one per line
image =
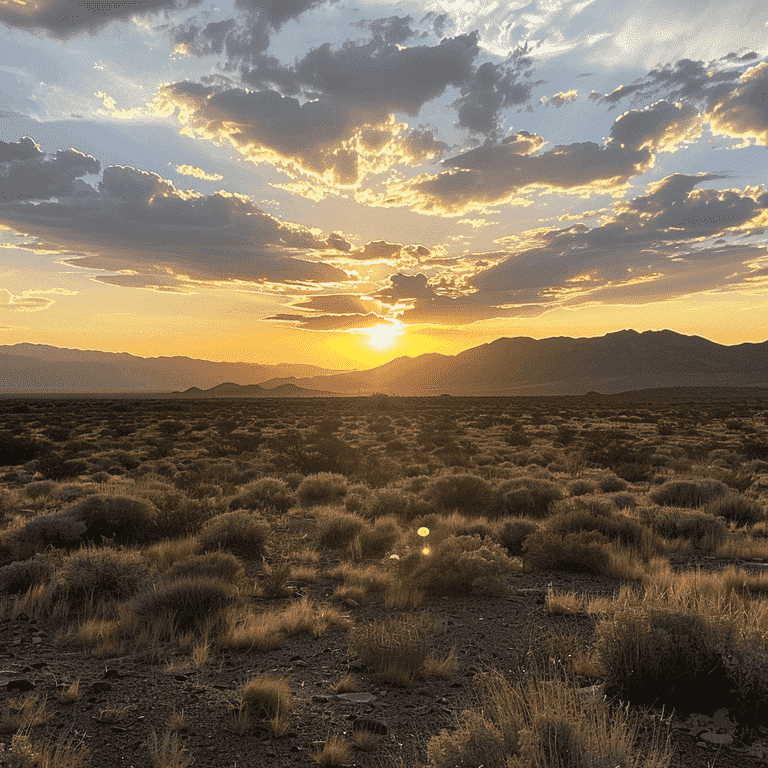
(664, 658)
(696, 526)
(223, 566)
(538, 723)
(97, 575)
(338, 529)
(464, 492)
(581, 552)
(527, 497)
(268, 492)
(322, 488)
(687, 493)
(512, 534)
(186, 603)
(459, 563)
(125, 519)
(574, 515)
(737, 509)
(55, 530)
(612, 484)
(242, 533)
(378, 539)
(22, 575)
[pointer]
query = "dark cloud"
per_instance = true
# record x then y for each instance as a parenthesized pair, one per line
(659, 127)
(65, 18)
(335, 141)
(139, 222)
(685, 79)
(492, 88)
(27, 173)
(385, 78)
(743, 111)
(506, 172)
(675, 239)
(330, 322)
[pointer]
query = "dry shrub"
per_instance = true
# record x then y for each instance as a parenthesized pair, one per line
(267, 492)
(222, 566)
(465, 492)
(511, 534)
(92, 576)
(337, 529)
(541, 724)
(574, 515)
(581, 552)
(527, 497)
(242, 533)
(688, 493)
(185, 604)
(22, 575)
(696, 526)
(378, 539)
(395, 650)
(322, 488)
(670, 658)
(459, 563)
(49, 531)
(737, 509)
(124, 519)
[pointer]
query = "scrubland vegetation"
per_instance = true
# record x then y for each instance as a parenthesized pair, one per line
(556, 581)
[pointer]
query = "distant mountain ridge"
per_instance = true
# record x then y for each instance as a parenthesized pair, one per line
(617, 362)
(39, 368)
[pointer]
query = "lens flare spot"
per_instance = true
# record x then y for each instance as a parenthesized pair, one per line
(423, 531)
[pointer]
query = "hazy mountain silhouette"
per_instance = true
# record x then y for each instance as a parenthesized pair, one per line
(617, 362)
(39, 368)
(251, 390)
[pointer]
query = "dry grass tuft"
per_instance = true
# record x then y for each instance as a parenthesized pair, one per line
(168, 752)
(335, 750)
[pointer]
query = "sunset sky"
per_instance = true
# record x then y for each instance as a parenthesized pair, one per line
(342, 183)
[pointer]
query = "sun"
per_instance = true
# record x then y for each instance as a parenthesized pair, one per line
(384, 335)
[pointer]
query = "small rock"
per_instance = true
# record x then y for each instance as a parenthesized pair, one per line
(320, 699)
(357, 698)
(22, 685)
(717, 738)
(100, 687)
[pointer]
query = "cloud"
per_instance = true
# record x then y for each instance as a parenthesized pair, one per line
(27, 173)
(492, 88)
(330, 322)
(560, 99)
(198, 173)
(325, 139)
(507, 172)
(743, 111)
(673, 240)
(31, 300)
(65, 18)
(140, 224)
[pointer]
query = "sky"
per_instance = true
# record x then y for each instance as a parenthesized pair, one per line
(344, 183)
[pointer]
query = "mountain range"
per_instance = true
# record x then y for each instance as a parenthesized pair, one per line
(617, 362)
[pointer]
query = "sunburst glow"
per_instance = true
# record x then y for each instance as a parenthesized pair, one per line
(382, 336)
